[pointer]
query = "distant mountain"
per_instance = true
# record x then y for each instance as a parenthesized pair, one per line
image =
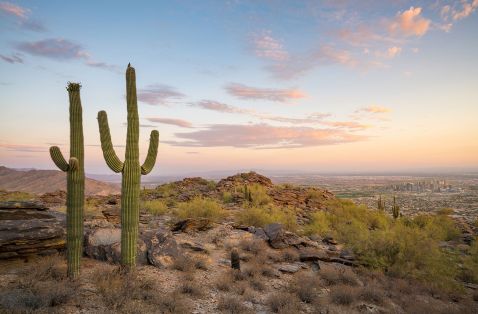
(42, 181)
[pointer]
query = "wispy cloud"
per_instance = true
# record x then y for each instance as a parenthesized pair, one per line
(409, 23)
(177, 122)
(221, 107)
(467, 8)
(14, 58)
(266, 46)
(376, 109)
(12, 9)
(22, 16)
(254, 93)
(24, 148)
(263, 136)
(159, 94)
(62, 49)
(299, 64)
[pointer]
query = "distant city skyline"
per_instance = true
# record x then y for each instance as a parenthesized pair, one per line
(319, 86)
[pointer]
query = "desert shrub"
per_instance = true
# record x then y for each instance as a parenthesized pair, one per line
(232, 305)
(258, 194)
(190, 287)
(16, 196)
(262, 216)
(227, 197)
(334, 276)
(404, 248)
(200, 208)
(257, 284)
(469, 273)
(174, 303)
(184, 264)
(343, 295)
(254, 246)
(446, 211)
(305, 286)
(372, 293)
(155, 207)
(283, 302)
(290, 255)
(166, 190)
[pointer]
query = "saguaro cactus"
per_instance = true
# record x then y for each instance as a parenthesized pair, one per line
(75, 185)
(131, 169)
(380, 204)
(395, 209)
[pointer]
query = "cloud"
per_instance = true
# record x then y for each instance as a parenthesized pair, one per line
(309, 119)
(63, 50)
(254, 93)
(14, 58)
(374, 109)
(265, 46)
(390, 53)
(54, 48)
(263, 136)
(351, 125)
(467, 9)
(177, 122)
(221, 107)
(158, 94)
(23, 148)
(142, 125)
(300, 64)
(15, 10)
(409, 23)
(21, 15)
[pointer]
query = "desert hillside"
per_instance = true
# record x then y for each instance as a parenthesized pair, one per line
(44, 181)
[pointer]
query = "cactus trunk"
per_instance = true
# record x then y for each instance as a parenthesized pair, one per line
(130, 169)
(75, 182)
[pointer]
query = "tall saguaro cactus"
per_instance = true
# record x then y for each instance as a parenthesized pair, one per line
(75, 182)
(131, 169)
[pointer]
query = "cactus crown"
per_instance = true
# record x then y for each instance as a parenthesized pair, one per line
(73, 87)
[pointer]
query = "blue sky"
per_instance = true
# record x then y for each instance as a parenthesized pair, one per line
(297, 85)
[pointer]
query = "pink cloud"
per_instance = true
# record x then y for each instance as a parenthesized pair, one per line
(374, 109)
(352, 125)
(265, 46)
(14, 10)
(24, 148)
(158, 94)
(177, 122)
(467, 9)
(14, 58)
(409, 23)
(220, 107)
(263, 136)
(279, 95)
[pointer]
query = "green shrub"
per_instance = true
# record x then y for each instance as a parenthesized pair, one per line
(470, 264)
(261, 216)
(155, 207)
(227, 197)
(16, 196)
(258, 193)
(403, 248)
(200, 208)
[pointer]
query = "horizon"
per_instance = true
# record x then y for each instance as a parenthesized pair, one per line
(310, 87)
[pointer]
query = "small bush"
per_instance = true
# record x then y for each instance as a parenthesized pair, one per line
(190, 287)
(283, 302)
(227, 197)
(155, 207)
(372, 293)
(262, 216)
(16, 196)
(174, 303)
(343, 295)
(184, 264)
(200, 208)
(305, 286)
(290, 255)
(336, 276)
(232, 305)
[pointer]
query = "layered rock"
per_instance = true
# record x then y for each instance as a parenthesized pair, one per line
(28, 228)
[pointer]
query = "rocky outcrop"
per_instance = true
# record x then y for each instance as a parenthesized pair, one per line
(241, 179)
(29, 228)
(162, 248)
(279, 238)
(192, 225)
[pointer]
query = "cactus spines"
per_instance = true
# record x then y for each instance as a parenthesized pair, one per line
(380, 204)
(75, 182)
(235, 260)
(395, 209)
(131, 169)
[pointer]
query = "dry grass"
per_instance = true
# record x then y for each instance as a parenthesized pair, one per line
(305, 286)
(231, 304)
(290, 255)
(254, 246)
(343, 295)
(372, 293)
(338, 276)
(283, 302)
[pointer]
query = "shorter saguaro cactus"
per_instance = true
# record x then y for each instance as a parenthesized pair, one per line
(235, 260)
(380, 204)
(395, 209)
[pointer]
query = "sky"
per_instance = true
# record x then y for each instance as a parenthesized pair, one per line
(319, 86)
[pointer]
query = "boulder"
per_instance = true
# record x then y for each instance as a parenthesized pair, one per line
(28, 228)
(105, 244)
(162, 249)
(280, 239)
(292, 267)
(312, 255)
(191, 225)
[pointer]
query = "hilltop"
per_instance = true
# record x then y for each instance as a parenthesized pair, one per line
(45, 181)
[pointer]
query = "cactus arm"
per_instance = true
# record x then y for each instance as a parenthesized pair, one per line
(58, 158)
(152, 153)
(109, 154)
(74, 164)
